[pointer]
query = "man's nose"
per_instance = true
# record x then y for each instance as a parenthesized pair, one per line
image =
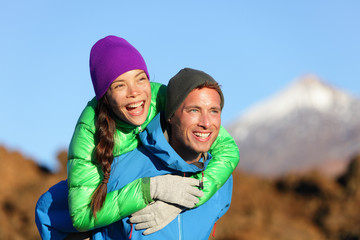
(205, 120)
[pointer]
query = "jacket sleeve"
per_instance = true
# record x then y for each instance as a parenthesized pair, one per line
(84, 176)
(225, 158)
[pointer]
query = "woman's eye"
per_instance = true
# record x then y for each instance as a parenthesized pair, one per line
(142, 79)
(118, 86)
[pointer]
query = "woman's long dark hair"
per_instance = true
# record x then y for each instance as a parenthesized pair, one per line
(105, 131)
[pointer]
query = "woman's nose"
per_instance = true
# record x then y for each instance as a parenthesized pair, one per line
(133, 91)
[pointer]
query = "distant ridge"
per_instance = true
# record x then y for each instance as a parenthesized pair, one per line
(308, 124)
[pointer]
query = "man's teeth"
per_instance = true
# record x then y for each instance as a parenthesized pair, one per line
(202, 135)
(135, 105)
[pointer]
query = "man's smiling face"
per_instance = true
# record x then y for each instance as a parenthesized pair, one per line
(196, 123)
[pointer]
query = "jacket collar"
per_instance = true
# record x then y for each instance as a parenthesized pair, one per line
(155, 140)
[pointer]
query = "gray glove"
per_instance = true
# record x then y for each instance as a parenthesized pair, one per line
(175, 189)
(155, 216)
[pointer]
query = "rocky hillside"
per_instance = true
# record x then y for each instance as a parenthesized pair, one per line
(296, 207)
(22, 184)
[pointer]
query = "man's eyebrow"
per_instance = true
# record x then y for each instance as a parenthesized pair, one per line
(197, 106)
(216, 108)
(192, 106)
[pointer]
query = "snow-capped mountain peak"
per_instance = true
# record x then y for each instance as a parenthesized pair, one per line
(306, 124)
(306, 92)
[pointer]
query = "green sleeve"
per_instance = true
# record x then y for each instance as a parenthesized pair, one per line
(225, 158)
(158, 92)
(118, 204)
(83, 178)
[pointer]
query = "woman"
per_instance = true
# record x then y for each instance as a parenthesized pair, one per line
(109, 125)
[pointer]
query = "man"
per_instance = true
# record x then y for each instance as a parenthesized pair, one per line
(192, 121)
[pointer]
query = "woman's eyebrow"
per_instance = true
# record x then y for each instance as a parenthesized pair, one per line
(140, 73)
(117, 80)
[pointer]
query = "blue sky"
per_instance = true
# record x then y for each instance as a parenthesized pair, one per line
(253, 48)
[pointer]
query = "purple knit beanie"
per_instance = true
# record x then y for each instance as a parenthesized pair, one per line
(109, 58)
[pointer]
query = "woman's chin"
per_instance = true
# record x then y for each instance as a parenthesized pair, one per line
(137, 120)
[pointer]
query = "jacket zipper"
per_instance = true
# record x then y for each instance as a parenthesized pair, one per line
(140, 129)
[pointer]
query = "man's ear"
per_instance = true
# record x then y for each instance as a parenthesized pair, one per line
(170, 119)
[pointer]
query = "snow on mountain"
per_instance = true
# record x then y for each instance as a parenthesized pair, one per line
(301, 126)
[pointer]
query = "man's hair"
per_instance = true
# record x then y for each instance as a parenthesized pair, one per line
(211, 85)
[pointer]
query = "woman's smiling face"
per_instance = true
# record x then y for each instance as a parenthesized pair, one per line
(129, 96)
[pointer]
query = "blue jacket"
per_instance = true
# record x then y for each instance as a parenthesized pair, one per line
(156, 157)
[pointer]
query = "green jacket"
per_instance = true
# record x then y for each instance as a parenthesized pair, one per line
(84, 175)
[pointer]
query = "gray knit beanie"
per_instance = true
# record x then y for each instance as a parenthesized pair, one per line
(181, 85)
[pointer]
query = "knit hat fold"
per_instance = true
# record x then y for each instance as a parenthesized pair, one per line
(181, 85)
(109, 58)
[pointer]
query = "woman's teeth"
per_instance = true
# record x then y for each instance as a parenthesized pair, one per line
(135, 105)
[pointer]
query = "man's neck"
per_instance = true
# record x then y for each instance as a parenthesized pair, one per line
(190, 158)
(197, 161)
